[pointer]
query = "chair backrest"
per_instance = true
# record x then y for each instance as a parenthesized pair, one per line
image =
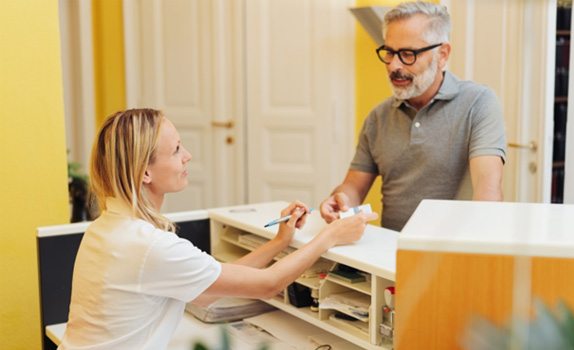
(57, 247)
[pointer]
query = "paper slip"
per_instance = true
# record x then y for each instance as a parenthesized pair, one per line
(365, 208)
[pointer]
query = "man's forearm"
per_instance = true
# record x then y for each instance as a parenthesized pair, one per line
(355, 197)
(487, 192)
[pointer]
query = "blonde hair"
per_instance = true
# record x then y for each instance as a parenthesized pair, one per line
(124, 147)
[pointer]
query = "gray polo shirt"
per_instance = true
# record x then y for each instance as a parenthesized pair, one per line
(425, 154)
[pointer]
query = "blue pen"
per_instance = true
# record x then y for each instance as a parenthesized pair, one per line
(283, 219)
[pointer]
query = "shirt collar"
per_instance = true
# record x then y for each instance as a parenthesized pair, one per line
(447, 91)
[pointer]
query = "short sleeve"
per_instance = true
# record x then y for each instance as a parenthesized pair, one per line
(487, 136)
(363, 159)
(175, 268)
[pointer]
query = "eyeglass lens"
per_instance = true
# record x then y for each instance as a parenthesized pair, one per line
(407, 57)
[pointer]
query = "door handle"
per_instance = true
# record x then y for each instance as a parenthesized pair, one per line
(228, 124)
(532, 145)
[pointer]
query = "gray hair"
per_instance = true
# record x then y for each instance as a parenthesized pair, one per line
(439, 19)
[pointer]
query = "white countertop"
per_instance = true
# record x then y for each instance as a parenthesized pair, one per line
(375, 252)
(529, 229)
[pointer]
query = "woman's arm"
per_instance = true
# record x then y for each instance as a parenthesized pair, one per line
(245, 281)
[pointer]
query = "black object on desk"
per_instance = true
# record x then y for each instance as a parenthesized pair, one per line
(299, 295)
(347, 274)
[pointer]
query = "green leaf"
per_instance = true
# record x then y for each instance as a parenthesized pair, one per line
(566, 318)
(199, 346)
(548, 330)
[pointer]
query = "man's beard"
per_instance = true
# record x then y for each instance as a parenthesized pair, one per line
(419, 83)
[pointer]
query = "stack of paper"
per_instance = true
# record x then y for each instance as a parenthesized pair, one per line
(251, 241)
(350, 303)
(228, 309)
(298, 333)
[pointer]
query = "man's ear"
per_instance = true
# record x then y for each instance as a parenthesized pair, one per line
(444, 53)
(147, 177)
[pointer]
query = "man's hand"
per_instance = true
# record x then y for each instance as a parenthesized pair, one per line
(331, 206)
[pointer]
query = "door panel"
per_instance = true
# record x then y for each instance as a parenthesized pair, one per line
(514, 56)
(294, 73)
(260, 91)
(171, 69)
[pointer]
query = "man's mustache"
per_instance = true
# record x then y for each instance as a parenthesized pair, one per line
(397, 74)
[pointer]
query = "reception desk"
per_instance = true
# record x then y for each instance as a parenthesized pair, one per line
(228, 234)
(458, 260)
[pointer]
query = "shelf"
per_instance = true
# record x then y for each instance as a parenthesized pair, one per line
(563, 32)
(561, 99)
(351, 303)
(235, 242)
(226, 256)
(301, 312)
(356, 328)
(344, 331)
(363, 287)
(309, 282)
(232, 240)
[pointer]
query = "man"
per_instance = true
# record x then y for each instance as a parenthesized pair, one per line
(435, 130)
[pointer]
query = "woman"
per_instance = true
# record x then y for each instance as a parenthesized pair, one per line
(133, 275)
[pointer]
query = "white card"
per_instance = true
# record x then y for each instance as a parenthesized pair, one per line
(365, 208)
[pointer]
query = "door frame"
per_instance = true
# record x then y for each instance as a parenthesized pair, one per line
(569, 156)
(78, 78)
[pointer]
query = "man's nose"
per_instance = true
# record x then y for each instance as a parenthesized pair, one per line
(395, 63)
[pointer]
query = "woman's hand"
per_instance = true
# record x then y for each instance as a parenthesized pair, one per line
(298, 211)
(348, 230)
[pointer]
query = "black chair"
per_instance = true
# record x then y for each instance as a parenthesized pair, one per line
(57, 247)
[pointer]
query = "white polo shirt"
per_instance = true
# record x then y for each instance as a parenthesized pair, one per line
(131, 283)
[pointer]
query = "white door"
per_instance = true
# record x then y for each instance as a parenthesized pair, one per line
(177, 60)
(279, 72)
(509, 46)
(299, 92)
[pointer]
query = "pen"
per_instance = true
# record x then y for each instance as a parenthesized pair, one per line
(283, 219)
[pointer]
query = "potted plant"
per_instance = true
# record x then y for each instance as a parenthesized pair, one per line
(78, 194)
(548, 330)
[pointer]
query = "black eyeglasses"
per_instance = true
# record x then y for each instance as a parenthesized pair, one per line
(407, 56)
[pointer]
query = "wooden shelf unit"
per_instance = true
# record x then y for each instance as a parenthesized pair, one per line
(232, 227)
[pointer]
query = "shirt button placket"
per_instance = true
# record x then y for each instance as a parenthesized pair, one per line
(416, 132)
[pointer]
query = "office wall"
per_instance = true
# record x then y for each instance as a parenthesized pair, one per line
(33, 179)
(109, 72)
(371, 84)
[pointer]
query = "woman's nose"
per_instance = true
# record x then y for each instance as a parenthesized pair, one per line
(187, 156)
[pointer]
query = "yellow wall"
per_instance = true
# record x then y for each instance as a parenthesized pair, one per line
(108, 58)
(33, 179)
(372, 85)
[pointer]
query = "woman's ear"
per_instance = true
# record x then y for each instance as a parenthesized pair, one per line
(147, 177)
